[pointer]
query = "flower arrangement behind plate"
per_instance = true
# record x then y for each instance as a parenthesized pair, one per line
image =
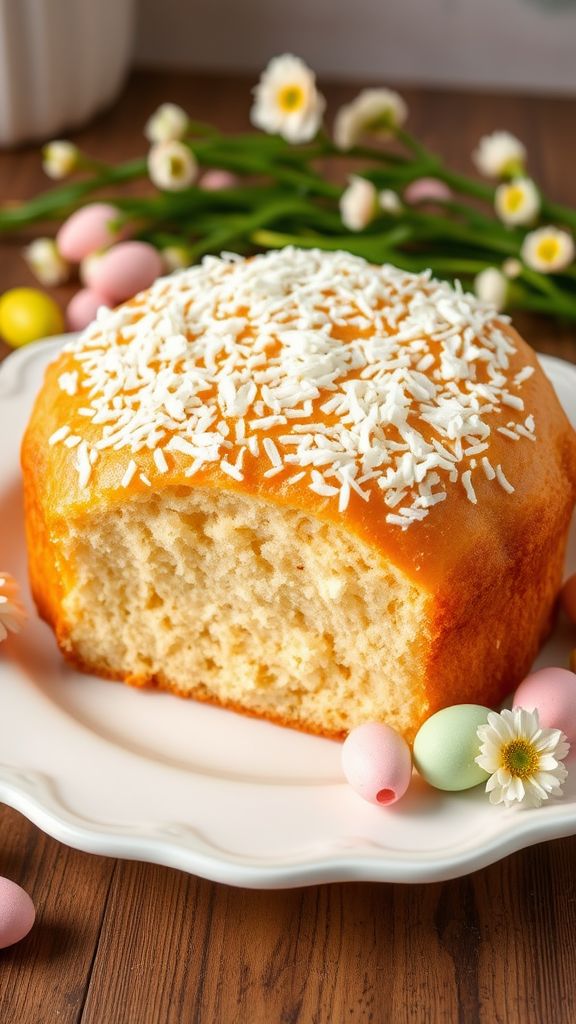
(251, 191)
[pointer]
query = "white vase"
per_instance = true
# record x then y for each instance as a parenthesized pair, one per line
(60, 62)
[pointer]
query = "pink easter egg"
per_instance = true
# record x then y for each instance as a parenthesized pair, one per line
(569, 597)
(82, 308)
(217, 179)
(426, 190)
(88, 229)
(123, 270)
(553, 692)
(377, 763)
(16, 913)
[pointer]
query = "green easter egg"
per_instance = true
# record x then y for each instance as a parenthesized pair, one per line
(446, 745)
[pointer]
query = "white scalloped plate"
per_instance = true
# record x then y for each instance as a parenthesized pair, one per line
(112, 770)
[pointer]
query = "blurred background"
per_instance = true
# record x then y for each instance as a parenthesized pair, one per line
(63, 60)
(519, 44)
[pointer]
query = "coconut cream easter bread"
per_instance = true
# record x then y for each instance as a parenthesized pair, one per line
(302, 487)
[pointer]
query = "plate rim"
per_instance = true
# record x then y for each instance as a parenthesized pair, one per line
(35, 794)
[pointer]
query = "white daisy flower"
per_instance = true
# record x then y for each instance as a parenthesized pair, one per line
(512, 268)
(374, 111)
(548, 250)
(358, 203)
(500, 155)
(491, 287)
(390, 201)
(517, 201)
(60, 158)
(45, 262)
(167, 124)
(524, 760)
(12, 612)
(175, 257)
(286, 100)
(171, 166)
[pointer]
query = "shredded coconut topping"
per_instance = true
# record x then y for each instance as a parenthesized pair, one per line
(372, 380)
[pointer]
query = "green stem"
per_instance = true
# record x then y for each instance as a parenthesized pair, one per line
(414, 146)
(558, 214)
(541, 304)
(59, 202)
(247, 226)
(371, 248)
(467, 186)
(432, 226)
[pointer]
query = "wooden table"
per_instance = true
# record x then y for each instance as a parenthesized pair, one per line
(128, 943)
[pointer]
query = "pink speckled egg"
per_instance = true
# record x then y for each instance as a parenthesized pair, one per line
(82, 308)
(377, 763)
(216, 179)
(16, 913)
(123, 270)
(88, 229)
(553, 692)
(569, 597)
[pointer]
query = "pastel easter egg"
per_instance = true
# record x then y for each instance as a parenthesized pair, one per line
(377, 763)
(124, 270)
(16, 913)
(27, 314)
(82, 308)
(88, 229)
(446, 746)
(426, 190)
(216, 179)
(568, 597)
(553, 692)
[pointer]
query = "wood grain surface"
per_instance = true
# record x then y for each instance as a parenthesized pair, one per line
(127, 943)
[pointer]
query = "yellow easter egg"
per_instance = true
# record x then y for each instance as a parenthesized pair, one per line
(27, 314)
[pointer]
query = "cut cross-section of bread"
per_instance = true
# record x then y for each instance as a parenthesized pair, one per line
(304, 488)
(224, 598)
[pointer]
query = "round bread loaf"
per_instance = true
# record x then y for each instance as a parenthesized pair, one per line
(303, 487)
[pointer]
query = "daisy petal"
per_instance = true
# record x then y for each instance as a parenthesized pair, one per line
(492, 784)
(515, 790)
(533, 786)
(533, 799)
(548, 781)
(527, 723)
(547, 763)
(499, 724)
(563, 749)
(488, 759)
(549, 739)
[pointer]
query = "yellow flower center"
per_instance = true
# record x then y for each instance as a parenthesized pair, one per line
(514, 198)
(512, 168)
(291, 98)
(382, 122)
(548, 250)
(177, 167)
(521, 758)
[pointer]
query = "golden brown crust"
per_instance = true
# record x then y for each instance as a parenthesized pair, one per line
(492, 569)
(543, 474)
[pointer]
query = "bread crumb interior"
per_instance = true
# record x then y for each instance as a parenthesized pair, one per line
(217, 595)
